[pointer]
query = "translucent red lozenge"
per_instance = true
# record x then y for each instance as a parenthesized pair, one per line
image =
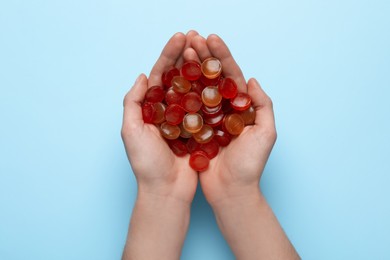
(197, 110)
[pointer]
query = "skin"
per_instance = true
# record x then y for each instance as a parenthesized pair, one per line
(166, 187)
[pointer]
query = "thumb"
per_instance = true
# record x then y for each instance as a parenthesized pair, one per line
(132, 112)
(262, 104)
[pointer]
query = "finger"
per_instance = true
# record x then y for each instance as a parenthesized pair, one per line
(200, 46)
(169, 55)
(230, 68)
(262, 104)
(132, 114)
(189, 36)
(190, 54)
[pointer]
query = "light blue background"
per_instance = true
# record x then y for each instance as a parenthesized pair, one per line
(66, 188)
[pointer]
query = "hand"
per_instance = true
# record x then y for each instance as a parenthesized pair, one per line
(237, 169)
(157, 169)
(166, 184)
(231, 183)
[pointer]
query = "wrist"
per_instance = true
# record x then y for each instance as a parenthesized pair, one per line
(237, 197)
(161, 201)
(157, 228)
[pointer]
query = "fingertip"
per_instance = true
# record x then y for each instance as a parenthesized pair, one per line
(179, 35)
(137, 91)
(190, 54)
(258, 95)
(253, 82)
(215, 42)
(213, 37)
(179, 40)
(192, 33)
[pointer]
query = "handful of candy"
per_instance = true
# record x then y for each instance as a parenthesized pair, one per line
(198, 110)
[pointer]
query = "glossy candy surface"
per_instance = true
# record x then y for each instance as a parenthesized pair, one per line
(199, 161)
(204, 134)
(178, 147)
(249, 115)
(211, 148)
(154, 94)
(211, 96)
(211, 68)
(234, 124)
(159, 115)
(210, 111)
(191, 102)
(197, 110)
(191, 70)
(173, 97)
(169, 131)
(180, 84)
(174, 114)
(192, 122)
(223, 138)
(214, 120)
(228, 88)
(183, 132)
(148, 112)
(241, 102)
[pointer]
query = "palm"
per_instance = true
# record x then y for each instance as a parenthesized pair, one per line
(234, 165)
(241, 163)
(160, 166)
(157, 169)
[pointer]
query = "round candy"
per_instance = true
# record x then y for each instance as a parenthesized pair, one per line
(174, 114)
(192, 122)
(204, 135)
(180, 84)
(183, 132)
(214, 120)
(241, 101)
(191, 102)
(197, 87)
(192, 145)
(211, 68)
(173, 97)
(169, 131)
(228, 88)
(178, 147)
(234, 124)
(148, 112)
(223, 138)
(199, 161)
(211, 96)
(249, 115)
(154, 94)
(159, 115)
(191, 70)
(211, 148)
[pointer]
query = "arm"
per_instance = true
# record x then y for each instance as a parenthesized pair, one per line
(231, 184)
(166, 185)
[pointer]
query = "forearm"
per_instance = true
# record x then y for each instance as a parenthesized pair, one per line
(252, 230)
(157, 228)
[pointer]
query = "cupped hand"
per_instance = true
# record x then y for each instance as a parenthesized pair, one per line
(158, 171)
(237, 169)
